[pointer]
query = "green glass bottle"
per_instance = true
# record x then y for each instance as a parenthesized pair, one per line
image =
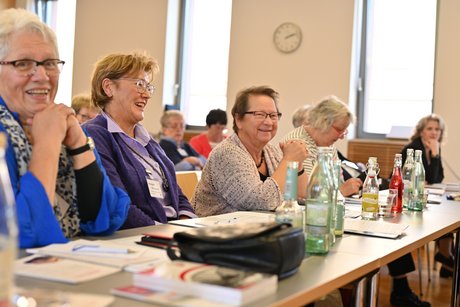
(319, 201)
(289, 211)
(417, 202)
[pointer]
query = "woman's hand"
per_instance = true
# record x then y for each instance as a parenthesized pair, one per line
(50, 125)
(351, 186)
(194, 161)
(75, 137)
(47, 131)
(294, 150)
(433, 146)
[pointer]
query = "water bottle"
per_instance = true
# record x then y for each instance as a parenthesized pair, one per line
(289, 211)
(407, 176)
(319, 199)
(339, 204)
(396, 182)
(8, 229)
(370, 198)
(418, 184)
(335, 185)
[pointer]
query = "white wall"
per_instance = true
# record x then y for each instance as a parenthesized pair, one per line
(321, 66)
(108, 26)
(447, 82)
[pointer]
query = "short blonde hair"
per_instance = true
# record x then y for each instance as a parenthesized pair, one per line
(424, 121)
(82, 101)
(322, 116)
(115, 66)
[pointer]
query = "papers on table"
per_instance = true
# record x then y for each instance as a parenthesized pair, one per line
(60, 269)
(171, 298)
(49, 297)
(446, 187)
(210, 282)
(228, 219)
(374, 228)
(105, 254)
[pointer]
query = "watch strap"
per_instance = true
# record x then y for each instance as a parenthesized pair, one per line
(76, 151)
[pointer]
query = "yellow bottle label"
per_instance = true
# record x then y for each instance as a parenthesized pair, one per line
(370, 202)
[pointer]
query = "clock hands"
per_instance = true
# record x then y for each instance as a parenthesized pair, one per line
(290, 35)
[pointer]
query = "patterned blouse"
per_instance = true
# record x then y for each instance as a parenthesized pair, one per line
(301, 134)
(230, 180)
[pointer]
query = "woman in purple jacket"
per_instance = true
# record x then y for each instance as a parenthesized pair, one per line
(121, 87)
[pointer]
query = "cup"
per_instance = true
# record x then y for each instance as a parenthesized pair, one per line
(386, 201)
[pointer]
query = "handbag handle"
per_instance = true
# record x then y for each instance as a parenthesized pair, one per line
(172, 250)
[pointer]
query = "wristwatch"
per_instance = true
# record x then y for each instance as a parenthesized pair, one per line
(88, 146)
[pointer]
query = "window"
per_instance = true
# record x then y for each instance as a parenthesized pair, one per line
(60, 16)
(397, 64)
(203, 58)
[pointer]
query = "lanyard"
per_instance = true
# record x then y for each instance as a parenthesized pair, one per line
(165, 184)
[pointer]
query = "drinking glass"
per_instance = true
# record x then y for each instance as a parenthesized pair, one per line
(386, 201)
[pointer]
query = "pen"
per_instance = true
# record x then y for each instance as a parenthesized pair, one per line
(100, 249)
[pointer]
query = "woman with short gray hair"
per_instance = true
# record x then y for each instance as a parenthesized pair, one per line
(326, 122)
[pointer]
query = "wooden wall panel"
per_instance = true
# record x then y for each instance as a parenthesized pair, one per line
(359, 150)
(6, 4)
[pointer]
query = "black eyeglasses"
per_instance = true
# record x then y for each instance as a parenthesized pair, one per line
(141, 85)
(27, 67)
(261, 115)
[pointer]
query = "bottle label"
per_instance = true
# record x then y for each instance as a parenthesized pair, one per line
(370, 202)
(317, 214)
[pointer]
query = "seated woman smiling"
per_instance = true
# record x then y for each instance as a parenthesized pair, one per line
(121, 87)
(245, 172)
(60, 186)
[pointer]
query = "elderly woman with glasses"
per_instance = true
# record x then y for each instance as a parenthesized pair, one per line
(121, 87)
(326, 123)
(60, 186)
(184, 157)
(245, 171)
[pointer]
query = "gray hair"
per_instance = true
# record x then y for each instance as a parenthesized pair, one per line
(326, 112)
(17, 20)
(300, 116)
(164, 120)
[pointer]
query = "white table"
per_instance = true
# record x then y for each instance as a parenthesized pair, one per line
(351, 258)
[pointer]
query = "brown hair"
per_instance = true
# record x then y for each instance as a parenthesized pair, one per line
(241, 104)
(115, 66)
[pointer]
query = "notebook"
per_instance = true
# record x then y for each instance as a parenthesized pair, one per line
(374, 228)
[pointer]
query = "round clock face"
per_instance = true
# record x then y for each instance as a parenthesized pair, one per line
(287, 37)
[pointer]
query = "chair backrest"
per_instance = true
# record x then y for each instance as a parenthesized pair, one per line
(187, 181)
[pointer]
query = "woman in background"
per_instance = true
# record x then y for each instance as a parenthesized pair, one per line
(216, 124)
(428, 136)
(121, 87)
(83, 107)
(325, 123)
(184, 157)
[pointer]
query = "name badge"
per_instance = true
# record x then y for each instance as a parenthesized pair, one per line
(155, 188)
(182, 152)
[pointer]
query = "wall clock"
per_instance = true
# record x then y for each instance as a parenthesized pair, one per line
(287, 37)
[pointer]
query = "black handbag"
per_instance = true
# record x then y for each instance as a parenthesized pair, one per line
(261, 247)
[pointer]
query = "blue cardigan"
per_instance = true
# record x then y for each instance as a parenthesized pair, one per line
(127, 172)
(37, 223)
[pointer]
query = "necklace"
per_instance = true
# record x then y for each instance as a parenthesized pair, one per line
(261, 159)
